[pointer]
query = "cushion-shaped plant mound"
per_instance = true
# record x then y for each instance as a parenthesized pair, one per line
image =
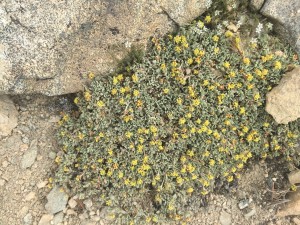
(149, 140)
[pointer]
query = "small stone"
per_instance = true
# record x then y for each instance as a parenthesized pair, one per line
(2, 182)
(71, 212)
(57, 200)
(292, 208)
(92, 213)
(296, 221)
(243, 204)
(30, 196)
(72, 203)
(294, 177)
(52, 155)
(251, 213)
(88, 222)
(58, 218)
(225, 218)
(88, 203)
(54, 119)
(46, 219)
(8, 114)
(29, 156)
(95, 218)
(27, 219)
(232, 27)
(42, 184)
(5, 164)
(83, 216)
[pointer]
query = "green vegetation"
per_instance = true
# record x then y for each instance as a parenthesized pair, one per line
(151, 141)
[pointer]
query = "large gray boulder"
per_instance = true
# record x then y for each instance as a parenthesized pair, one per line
(286, 15)
(8, 116)
(47, 46)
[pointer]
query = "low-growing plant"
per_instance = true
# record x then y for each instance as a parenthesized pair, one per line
(152, 141)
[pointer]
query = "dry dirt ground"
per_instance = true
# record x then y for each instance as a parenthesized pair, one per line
(23, 191)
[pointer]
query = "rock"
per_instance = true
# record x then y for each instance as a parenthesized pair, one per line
(42, 184)
(243, 204)
(286, 15)
(296, 221)
(251, 213)
(58, 218)
(88, 203)
(5, 164)
(72, 203)
(292, 207)
(46, 219)
(29, 156)
(57, 200)
(52, 155)
(283, 101)
(294, 177)
(225, 218)
(30, 196)
(47, 47)
(88, 222)
(71, 212)
(2, 182)
(28, 219)
(8, 112)
(256, 4)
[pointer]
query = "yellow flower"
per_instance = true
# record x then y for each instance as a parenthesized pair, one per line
(215, 38)
(205, 83)
(230, 178)
(76, 100)
(182, 121)
(179, 101)
(256, 96)
(100, 104)
(163, 66)
(122, 101)
(230, 86)
(114, 91)
(177, 49)
(136, 93)
(128, 134)
(246, 61)
(196, 52)
(249, 77)
(228, 34)
(190, 190)
(177, 39)
(166, 90)
(226, 64)
(190, 61)
(232, 74)
(207, 19)
(196, 102)
(91, 75)
(277, 65)
(134, 78)
(120, 77)
(87, 96)
(134, 162)
(174, 64)
(212, 162)
(242, 110)
(200, 24)
(216, 50)
(153, 129)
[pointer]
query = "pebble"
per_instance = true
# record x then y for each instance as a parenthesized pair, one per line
(251, 213)
(296, 221)
(225, 218)
(29, 156)
(2, 182)
(83, 216)
(243, 204)
(88, 203)
(52, 155)
(30, 196)
(57, 200)
(71, 212)
(5, 164)
(46, 219)
(72, 203)
(95, 218)
(28, 219)
(42, 184)
(58, 218)
(294, 177)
